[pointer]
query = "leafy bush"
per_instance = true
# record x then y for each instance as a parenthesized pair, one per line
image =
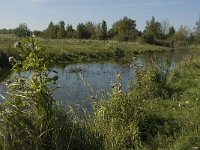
(30, 117)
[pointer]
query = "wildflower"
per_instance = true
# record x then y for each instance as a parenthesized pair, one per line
(11, 59)
(195, 148)
(21, 80)
(187, 102)
(33, 35)
(18, 44)
(118, 77)
(120, 91)
(31, 46)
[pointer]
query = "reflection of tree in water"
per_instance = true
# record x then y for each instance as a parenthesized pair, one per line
(4, 74)
(4, 65)
(170, 58)
(4, 60)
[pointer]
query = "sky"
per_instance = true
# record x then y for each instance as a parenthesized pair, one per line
(37, 14)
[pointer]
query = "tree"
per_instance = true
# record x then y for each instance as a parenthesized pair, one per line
(70, 32)
(37, 33)
(103, 35)
(197, 31)
(102, 30)
(80, 31)
(172, 31)
(125, 29)
(51, 31)
(22, 30)
(152, 31)
(182, 34)
(165, 26)
(181, 37)
(4, 31)
(89, 30)
(61, 34)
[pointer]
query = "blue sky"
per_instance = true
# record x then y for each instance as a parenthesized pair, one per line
(38, 13)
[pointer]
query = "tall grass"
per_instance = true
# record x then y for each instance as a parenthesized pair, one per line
(160, 112)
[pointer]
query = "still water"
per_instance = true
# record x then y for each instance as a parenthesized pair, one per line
(79, 82)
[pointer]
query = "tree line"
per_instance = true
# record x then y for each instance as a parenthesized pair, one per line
(155, 32)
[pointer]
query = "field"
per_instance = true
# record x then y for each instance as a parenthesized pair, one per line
(74, 50)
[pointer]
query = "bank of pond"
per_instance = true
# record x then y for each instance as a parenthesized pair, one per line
(59, 51)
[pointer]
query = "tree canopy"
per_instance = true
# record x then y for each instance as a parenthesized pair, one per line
(22, 30)
(155, 32)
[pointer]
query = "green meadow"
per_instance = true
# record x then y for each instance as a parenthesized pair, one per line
(76, 50)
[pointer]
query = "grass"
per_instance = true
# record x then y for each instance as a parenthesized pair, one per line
(161, 111)
(74, 50)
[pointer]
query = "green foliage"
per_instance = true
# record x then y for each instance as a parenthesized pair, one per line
(125, 29)
(151, 82)
(55, 31)
(156, 33)
(152, 31)
(172, 31)
(29, 110)
(102, 31)
(70, 32)
(161, 111)
(165, 26)
(90, 30)
(197, 31)
(116, 119)
(80, 31)
(51, 31)
(125, 120)
(30, 117)
(22, 30)
(7, 31)
(61, 34)
(119, 52)
(73, 50)
(148, 116)
(181, 37)
(85, 31)
(37, 33)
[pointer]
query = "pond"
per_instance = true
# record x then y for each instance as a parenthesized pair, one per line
(79, 82)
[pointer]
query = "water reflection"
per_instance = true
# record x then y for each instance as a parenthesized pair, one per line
(78, 82)
(4, 73)
(79, 86)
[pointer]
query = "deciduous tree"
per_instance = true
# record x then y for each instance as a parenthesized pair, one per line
(22, 30)
(61, 34)
(152, 31)
(125, 29)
